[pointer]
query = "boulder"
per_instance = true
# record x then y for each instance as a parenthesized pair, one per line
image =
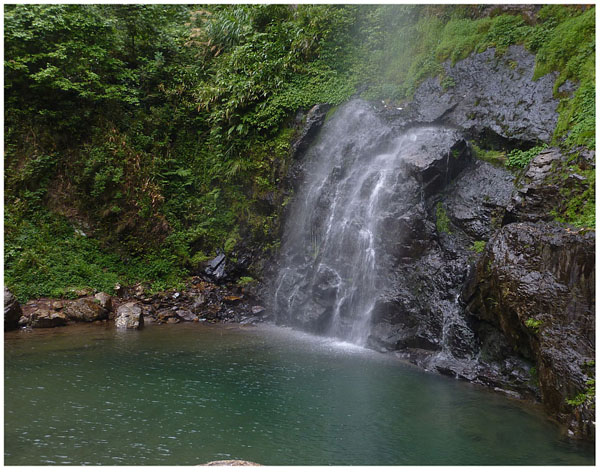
(104, 299)
(129, 316)
(85, 310)
(215, 269)
(58, 305)
(44, 318)
(12, 311)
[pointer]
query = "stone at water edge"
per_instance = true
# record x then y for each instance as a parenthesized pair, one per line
(85, 310)
(45, 318)
(12, 311)
(104, 300)
(162, 316)
(186, 315)
(129, 316)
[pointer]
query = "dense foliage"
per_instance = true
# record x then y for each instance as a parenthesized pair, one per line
(140, 139)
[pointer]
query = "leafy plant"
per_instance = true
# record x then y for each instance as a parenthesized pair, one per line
(478, 246)
(245, 280)
(588, 396)
(519, 158)
(534, 324)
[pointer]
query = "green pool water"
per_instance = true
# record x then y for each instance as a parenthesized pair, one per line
(190, 394)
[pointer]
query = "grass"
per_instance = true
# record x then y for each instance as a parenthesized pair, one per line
(494, 157)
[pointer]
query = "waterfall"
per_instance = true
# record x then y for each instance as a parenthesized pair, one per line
(342, 227)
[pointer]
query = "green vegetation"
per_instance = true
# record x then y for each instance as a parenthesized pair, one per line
(163, 131)
(533, 324)
(495, 157)
(533, 373)
(442, 222)
(588, 396)
(519, 159)
(579, 204)
(562, 38)
(478, 246)
(245, 280)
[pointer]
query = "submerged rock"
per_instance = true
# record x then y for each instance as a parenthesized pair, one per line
(129, 316)
(12, 311)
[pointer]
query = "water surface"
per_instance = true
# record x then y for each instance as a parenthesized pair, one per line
(189, 394)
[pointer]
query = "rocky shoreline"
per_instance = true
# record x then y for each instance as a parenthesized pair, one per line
(131, 308)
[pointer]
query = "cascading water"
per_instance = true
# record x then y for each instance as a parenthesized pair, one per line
(342, 230)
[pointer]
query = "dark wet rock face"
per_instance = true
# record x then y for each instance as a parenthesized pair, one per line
(536, 196)
(12, 311)
(489, 93)
(536, 283)
(311, 124)
(362, 211)
(215, 269)
(416, 235)
(476, 201)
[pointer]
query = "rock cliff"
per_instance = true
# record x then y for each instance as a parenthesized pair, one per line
(483, 286)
